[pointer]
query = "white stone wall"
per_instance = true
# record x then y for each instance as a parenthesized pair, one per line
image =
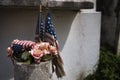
(81, 48)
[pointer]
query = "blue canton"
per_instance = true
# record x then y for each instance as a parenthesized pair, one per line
(40, 27)
(49, 26)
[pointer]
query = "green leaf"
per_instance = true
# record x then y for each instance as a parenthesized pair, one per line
(25, 56)
(27, 62)
(46, 58)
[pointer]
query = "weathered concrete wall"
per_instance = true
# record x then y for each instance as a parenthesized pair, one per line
(78, 34)
(32, 72)
(69, 4)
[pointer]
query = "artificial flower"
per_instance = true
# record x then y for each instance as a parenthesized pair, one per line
(9, 52)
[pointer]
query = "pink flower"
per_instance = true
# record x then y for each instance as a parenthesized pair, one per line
(40, 49)
(53, 50)
(44, 45)
(9, 52)
(37, 54)
(45, 51)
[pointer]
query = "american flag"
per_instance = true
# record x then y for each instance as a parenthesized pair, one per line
(40, 27)
(50, 34)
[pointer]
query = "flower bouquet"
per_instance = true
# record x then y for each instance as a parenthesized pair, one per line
(31, 52)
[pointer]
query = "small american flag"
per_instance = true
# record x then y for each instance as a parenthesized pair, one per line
(50, 34)
(40, 27)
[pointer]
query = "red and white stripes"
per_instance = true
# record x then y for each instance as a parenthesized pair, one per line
(24, 43)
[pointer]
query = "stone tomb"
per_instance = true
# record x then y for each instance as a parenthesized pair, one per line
(78, 34)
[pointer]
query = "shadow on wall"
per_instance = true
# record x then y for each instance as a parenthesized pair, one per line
(20, 23)
(63, 20)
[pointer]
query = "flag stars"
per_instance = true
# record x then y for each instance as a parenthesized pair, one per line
(49, 27)
(47, 31)
(55, 36)
(48, 22)
(51, 32)
(49, 18)
(41, 23)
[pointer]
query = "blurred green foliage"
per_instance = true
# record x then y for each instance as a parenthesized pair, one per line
(108, 67)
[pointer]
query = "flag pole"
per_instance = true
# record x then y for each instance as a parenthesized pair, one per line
(47, 7)
(37, 27)
(40, 8)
